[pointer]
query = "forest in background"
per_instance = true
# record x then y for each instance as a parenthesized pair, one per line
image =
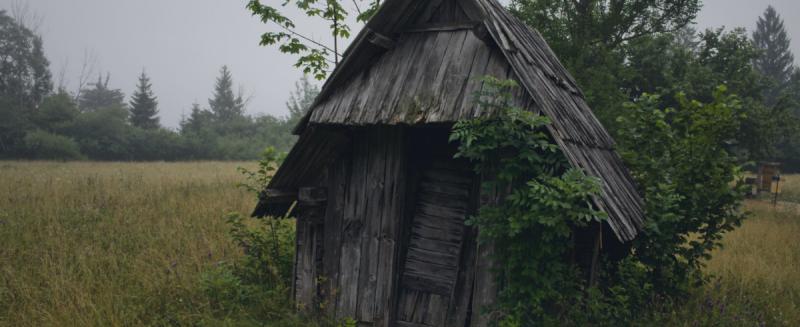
(614, 58)
(98, 122)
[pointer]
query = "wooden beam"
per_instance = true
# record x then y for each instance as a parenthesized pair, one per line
(442, 27)
(271, 195)
(311, 202)
(274, 202)
(381, 40)
(312, 196)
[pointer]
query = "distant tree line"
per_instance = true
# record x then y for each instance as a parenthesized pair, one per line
(39, 121)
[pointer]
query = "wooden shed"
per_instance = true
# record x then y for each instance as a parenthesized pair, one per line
(381, 202)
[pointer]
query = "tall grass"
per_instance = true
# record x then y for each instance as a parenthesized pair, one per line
(790, 188)
(120, 244)
(111, 244)
(760, 264)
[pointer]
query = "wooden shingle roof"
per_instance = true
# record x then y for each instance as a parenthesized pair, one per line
(416, 62)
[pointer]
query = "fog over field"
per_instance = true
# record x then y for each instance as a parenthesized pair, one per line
(182, 45)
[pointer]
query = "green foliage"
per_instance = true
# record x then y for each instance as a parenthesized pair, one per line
(693, 186)
(682, 159)
(25, 77)
(583, 24)
(39, 144)
(256, 289)
(543, 202)
(588, 36)
(57, 113)
(618, 50)
(313, 57)
(256, 181)
(100, 96)
(103, 134)
(144, 105)
(25, 80)
(208, 135)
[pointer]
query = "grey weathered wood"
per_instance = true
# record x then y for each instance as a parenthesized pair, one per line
(393, 212)
(354, 221)
(432, 261)
(304, 278)
(373, 207)
(441, 27)
(339, 175)
(381, 40)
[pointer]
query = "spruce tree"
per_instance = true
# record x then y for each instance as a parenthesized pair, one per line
(225, 105)
(198, 120)
(144, 105)
(776, 62)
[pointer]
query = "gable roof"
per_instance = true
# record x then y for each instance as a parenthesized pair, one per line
(432, 51)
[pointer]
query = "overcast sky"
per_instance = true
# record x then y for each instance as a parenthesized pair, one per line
(183, 43)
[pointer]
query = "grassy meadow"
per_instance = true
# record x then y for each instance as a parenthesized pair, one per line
(120, 244)
(111, 244)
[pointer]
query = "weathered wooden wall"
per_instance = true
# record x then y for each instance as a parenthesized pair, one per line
(384, 242)
(360, 230)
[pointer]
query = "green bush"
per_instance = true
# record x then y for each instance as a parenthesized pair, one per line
(682, 159)
(39, 144)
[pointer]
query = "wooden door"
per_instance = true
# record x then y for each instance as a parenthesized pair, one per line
(433, 289)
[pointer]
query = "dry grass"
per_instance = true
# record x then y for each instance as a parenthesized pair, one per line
(790, 188)
(110, 244)
(760, 263)
(113, 244)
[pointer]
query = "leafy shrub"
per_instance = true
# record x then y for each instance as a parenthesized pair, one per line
(39, 144)
(103, 134)
(682, 159)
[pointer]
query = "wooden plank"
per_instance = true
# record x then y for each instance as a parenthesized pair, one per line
(466, 106)
(334, 215)
(441, 27)
(411, 53)
(305, 283)
(445, 70)
(436, 312)
(419, 99)
(394, 195)
(350, 264)
(373, 207)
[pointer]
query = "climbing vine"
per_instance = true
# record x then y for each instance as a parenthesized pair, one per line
(541, 202)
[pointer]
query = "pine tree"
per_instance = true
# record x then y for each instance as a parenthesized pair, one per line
(225, 105)
(776, 62)
(198, 120)
(144, 105)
